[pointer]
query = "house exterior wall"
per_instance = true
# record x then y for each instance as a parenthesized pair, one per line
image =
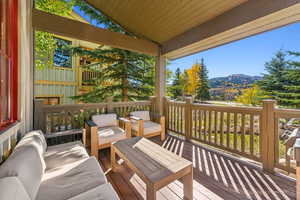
(62, 82)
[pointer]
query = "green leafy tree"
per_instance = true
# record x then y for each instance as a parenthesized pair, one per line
(202, 91)
(45, 44)
(251, 96)
(176, 88)
(276, 79)
(125, 75)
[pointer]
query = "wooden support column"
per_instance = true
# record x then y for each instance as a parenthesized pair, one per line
(109, 108)
(267, 144)
(188, 118)
(160, 82)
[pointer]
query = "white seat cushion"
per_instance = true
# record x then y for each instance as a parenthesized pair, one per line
(144, 115)
(25, 163)
(110, 134)
(62, 154)
(71, 180)
(149, 127)
(104, 120)
(12, 189)
(102, 192)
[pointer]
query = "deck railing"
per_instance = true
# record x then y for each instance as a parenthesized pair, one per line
(251, 132)
(53, 118)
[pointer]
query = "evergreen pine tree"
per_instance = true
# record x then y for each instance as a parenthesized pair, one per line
(176, 87)
(290, 96)
(202, 91)
(275, 81)
(125, 75)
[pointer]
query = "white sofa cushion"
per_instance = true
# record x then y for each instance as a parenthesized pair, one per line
(37, 136)
(149, 127)
(102, 192)
(104, 120)
(12, 189)
(71, 180)
(25, 163)
(144, 115)
(62, 154)
(37, 140)
(110, 134)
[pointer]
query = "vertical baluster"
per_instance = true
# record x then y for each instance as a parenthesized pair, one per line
(235, 131)
(243, 133)
(182, 119)
(228, 129)
(175, 117)
(209, 125)
(221, 128)
(205, 125)
(251, 134)
(200, 124)
(216, 127)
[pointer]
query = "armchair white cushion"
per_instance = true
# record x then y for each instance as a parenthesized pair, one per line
(110, 134)
(104, 120)
(144, 115)
(12, 189)
(149, 127)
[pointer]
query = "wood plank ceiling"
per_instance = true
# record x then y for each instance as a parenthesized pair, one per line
(162, 20)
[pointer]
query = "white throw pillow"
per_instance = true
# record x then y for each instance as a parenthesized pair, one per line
(12, 189)
(25, 163)
(104, 120)
(144, 115)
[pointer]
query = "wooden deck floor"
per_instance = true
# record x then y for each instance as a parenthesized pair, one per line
(216, 176)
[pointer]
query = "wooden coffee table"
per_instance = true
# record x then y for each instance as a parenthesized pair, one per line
(156, 166)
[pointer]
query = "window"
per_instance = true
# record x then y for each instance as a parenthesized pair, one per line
(8, 62)
(62, 55)
(50, 100)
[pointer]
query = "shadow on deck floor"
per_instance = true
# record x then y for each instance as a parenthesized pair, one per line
(216, 176)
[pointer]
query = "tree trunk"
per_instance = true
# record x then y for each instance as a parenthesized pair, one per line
(125, 88)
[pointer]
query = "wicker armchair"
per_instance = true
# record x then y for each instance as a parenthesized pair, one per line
(104, 129)
(147, 124)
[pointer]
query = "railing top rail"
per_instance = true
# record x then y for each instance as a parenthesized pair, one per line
(242, 109)
(286, 112)
(177, 102)
(57, 108)
(131, 103)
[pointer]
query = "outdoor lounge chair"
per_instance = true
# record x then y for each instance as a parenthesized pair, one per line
(147, 124)
(104, 129)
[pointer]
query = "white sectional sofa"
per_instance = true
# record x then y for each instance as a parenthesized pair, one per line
(37, 172)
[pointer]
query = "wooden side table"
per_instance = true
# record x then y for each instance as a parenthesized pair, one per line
(65, 137)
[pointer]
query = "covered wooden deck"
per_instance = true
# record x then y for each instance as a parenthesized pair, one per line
(216, 176)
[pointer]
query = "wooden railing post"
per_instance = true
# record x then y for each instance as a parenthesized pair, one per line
(188, 121)
(268, 140)
(39, 117)
(109, 108)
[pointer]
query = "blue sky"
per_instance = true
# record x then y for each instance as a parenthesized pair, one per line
(246, 56)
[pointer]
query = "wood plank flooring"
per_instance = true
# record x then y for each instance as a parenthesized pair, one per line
(216, 176)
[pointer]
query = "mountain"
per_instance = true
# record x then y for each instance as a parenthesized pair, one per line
(234, 80)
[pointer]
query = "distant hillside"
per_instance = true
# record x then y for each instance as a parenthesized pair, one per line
(234, 80)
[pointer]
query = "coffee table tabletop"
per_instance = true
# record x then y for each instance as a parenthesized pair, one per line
(156, 166)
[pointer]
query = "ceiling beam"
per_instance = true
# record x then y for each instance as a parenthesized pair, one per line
(250, 18)
(82, 31)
